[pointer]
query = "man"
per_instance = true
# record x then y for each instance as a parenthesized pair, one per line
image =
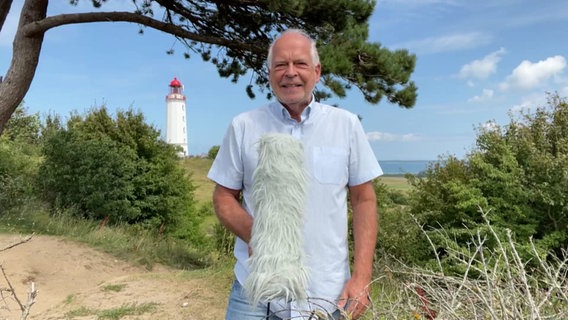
(338, 160)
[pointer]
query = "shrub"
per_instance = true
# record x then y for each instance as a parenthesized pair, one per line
(19, 159)
(400, 237)
(224, 240)
(212, 154)
(518, 171)
(118, 170)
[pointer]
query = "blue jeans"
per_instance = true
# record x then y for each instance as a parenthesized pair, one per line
(240, 309)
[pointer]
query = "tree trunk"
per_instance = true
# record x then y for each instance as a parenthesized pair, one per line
(4, 9)
(25, 58)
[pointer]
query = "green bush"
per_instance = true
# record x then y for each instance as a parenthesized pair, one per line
(212, 154)
(118, 170)
(15, 188)
(224, 240)
(190, 226)
(400, 237)
(19, 159)
(517, 173)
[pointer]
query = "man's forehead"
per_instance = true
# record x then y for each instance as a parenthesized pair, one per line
(291, 52)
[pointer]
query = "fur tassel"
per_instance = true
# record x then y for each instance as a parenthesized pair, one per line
(278, 193)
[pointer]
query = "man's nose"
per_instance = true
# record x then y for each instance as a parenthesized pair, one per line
(291, 70)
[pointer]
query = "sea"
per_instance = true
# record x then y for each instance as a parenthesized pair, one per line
(401, 167)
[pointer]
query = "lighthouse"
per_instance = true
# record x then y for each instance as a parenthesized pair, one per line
(176, 128)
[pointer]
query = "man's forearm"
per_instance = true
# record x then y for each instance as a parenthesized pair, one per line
(365, 229)
(365, 238)
(231, 214)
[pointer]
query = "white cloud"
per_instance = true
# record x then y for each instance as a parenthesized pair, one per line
(529, 75)
(391, 137)
(528, 103)
(483, 68)
(452, 42)
(486, 95)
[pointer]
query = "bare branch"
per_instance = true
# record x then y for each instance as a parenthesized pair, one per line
(26, 239)
(32, 292)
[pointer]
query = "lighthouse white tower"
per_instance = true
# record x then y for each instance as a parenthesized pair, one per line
(176, 127)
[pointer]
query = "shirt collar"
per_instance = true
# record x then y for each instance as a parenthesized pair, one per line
(285, 115)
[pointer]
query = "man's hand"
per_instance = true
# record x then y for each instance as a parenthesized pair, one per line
(354, 299)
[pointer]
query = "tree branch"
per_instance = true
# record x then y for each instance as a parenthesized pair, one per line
(43, 25)
(26, 239)
(4, 10)
(32, 293)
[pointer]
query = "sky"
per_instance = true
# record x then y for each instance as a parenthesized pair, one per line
(478, 63)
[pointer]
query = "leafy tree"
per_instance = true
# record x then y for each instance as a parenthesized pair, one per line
(23, 127)
(234, 36)
(518, 173)
(446, 196)
(116, 169)
(19, 159)
(212, 154)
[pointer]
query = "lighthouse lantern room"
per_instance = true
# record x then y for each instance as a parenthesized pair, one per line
(176, 128)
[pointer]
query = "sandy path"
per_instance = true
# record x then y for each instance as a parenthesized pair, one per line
(71, 276)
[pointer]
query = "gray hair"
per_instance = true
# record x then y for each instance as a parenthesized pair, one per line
(313, 49)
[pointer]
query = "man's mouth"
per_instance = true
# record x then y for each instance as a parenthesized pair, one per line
(291, 85)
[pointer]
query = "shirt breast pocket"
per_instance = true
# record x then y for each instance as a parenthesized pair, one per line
(330, 165)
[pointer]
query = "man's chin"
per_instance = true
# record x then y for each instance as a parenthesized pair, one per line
(292, 100)
(295, 104)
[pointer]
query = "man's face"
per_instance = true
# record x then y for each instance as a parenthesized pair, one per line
(292, 73)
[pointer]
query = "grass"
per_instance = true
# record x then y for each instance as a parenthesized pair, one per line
(198, 168)
(114, 287)
(128, 242)
(114, 313)
(395, 182)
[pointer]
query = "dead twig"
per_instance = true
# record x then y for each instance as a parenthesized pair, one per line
(32, 292)
(10, 246)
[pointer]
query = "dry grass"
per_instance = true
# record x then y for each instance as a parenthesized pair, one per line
(395, 182)
(505, 287)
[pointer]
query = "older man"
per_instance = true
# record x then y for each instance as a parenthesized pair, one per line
(338, 161)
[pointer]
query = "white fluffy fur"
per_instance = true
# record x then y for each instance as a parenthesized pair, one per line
(278, 193)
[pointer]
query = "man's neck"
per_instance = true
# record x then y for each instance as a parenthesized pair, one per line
(296, 110)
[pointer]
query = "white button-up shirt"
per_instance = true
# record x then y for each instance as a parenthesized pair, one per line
(337, 155)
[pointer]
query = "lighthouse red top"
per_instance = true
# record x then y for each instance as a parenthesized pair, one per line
(176, 90)
(175, 83)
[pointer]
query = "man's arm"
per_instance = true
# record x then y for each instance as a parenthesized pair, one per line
(364, 205)
(230, 212)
